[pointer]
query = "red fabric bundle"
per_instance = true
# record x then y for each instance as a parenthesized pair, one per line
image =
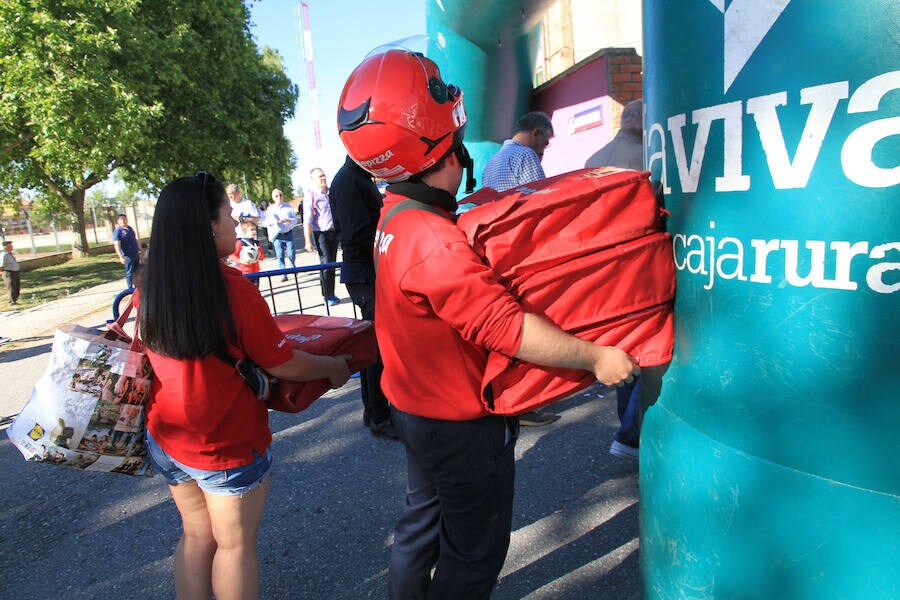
(551, 221)
(586, 250)
(324, 336)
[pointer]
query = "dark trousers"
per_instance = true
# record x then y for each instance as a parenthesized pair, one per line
(375, 404)
(458, 512)
(13, 281)
(633, 400)
(132, 265)
(628, 405)
(326, 243)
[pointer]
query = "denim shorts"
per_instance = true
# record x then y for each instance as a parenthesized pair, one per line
(224, 482)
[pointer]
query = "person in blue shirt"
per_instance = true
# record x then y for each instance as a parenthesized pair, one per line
(519, 160)
(126, 245)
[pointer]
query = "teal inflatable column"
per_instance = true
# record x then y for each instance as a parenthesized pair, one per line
(770, 466)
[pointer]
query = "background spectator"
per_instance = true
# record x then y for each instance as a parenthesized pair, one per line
(9, 266)
(126, 246)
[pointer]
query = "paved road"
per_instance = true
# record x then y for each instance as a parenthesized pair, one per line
(335, 494)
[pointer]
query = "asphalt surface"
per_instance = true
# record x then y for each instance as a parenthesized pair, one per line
(335, 494)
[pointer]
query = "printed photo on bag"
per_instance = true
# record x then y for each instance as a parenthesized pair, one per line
(93, 371)
(131, 418)
(132, 391)
(131, 466)
(115, 429)
(60, 456)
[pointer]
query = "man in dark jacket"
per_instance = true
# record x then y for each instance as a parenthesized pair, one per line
(357, 205)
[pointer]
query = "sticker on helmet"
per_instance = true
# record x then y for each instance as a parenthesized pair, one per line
(372, 162)
(459, 114)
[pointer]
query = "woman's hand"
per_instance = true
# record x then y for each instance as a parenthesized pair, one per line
(308, 367)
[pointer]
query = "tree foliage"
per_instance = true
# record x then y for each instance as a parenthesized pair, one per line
(154, 89)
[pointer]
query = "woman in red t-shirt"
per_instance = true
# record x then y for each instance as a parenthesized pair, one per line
(206, 432)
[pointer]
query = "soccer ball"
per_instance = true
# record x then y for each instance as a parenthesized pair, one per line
(249, 255)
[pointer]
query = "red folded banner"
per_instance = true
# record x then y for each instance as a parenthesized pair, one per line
(323, 336)
(603, 285)
(512, 387)
(586, 250)
(548, 222)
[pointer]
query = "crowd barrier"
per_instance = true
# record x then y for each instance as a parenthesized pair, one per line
(296, 277)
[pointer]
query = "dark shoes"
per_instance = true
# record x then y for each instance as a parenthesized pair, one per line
(383, 429)
(333, 300)
(536, 418)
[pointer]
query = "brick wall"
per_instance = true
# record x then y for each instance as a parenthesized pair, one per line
(625, 74)
(625, 77)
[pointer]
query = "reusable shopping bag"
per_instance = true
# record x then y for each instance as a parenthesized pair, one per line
(88, 408)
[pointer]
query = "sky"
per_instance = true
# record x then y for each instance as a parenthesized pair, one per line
(343, 32)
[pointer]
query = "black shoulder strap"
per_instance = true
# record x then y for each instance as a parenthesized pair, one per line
(402, 206)
(226, 357)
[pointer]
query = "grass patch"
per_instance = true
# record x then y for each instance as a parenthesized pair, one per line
(58, 281)
(25, 249)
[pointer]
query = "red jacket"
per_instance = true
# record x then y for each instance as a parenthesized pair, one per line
(439, 311)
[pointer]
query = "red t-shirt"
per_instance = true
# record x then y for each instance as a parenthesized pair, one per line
(439, 310)
(201, 412)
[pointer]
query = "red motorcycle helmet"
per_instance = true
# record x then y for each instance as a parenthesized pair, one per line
(396, 116)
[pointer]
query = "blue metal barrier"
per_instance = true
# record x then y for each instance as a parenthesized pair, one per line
(294, 271)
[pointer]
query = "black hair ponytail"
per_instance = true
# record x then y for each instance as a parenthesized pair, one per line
(184, 309)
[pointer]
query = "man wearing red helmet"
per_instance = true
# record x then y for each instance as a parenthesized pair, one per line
(438, 310)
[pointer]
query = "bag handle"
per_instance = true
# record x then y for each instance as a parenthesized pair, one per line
(116, 329)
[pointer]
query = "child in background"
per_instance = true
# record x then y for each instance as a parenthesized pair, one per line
(247, 251)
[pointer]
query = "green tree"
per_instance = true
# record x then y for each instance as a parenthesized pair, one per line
(272, 153)
(154, 89)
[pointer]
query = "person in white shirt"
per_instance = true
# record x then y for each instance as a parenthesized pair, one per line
(242, 209)
(280, 212)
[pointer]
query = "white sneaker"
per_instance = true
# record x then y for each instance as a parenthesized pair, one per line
(623, 450)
